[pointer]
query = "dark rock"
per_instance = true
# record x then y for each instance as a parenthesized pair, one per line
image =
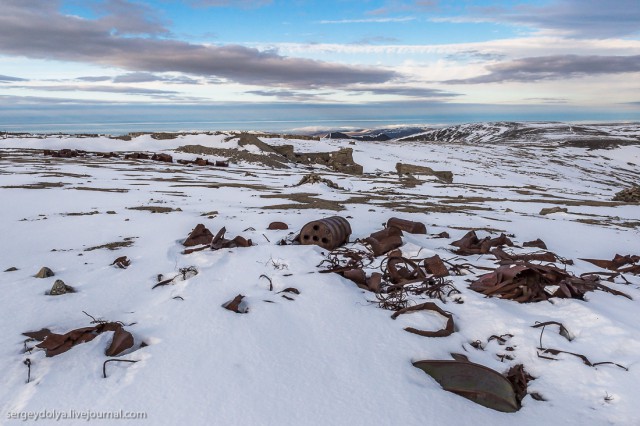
(44, 272)
(550, 210)
(59, 288)
(629, 195)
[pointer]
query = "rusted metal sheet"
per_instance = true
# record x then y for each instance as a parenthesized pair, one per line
(475, 382)
(328, 233)
(55, 344)
(407, 225)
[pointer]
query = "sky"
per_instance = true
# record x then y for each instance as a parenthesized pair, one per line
(222, 62)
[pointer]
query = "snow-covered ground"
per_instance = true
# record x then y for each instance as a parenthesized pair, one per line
(330, 355)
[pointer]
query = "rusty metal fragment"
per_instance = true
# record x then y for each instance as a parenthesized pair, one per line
(199, 235)
(55, 344)
(535, 243)
(616, 264)
(328, 233)
(519, 379)
(122, 262)
(429, 306)
(563, 330)
(435, 266)
(122, 340)
(475, 382)
(278, 226)
(219, 242)
(509, 258)
(383, 244)
(236, 305)
(470, 244)
(407, 225)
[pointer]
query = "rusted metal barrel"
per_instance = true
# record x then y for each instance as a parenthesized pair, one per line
(328, 233)
(407, 226)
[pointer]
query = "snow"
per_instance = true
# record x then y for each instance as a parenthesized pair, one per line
(330, 356)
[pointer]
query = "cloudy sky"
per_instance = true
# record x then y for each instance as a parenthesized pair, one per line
(333, 58)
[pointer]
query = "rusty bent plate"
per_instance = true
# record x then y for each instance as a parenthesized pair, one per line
(476, 382)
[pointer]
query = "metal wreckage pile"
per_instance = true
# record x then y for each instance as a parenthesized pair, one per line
(519, 277)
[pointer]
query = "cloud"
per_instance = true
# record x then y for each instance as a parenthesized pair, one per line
(407, 91)
(147, 77)
(369, 20)
(130, 90)
(554, 68)
(576, 18)
(395, 6)
(126, 17)
(548, 100)
(286, 95)
(244, 4)
(94, 79)
(376, 40)
(9, 79)
(36, 29)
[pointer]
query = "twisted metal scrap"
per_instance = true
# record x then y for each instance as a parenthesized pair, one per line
(526, 282)
(429, 306)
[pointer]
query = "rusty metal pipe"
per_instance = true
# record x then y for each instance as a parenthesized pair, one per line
(407, 225)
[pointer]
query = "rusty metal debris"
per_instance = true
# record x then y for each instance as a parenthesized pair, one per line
(429, 306)
(443, 234)
(219, 242)
(535, 243)
(198, 236)
(104, 365)
(519, 379)
(434, 288)
(407, 226)
(184, 273)
(278, 226)
(122, 262)
(393, 301)
(236, 305)
(384, 241)
(328, 233)
(563, 330)
(542, 256)
(470, 244)
(616, 264)
(584, 359)
(55, 344)
(435, 266)
(27, 362)
(526, 282)
(475, 382)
